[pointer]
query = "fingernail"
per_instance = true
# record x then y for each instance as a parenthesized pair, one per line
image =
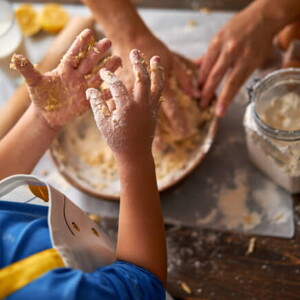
(91, 94)
(155, 61)
(107, 42)
(221, 110)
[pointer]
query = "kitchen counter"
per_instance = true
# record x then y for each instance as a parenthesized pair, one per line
(230, 5)
(204, 263)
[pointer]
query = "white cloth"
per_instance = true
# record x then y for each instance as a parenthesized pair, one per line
(78, 239)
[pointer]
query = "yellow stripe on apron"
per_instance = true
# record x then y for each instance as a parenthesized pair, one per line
(21, 273)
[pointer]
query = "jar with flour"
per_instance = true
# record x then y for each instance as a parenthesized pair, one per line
(272, 126)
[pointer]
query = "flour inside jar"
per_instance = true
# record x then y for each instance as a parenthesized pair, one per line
(283, 113)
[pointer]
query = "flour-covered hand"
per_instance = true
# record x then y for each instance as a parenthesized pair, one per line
(129, 124)
(59, 95)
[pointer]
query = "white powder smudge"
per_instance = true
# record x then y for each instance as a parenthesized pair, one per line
(232, 203)
(232, 211)
(271, 202)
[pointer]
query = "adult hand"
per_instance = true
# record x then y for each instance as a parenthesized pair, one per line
(59, 95)
(234, 52)
(128, 126)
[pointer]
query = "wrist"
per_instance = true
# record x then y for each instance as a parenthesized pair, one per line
(129, 35)
(41, 125)
(134, 159)
(119, 19)
(277, 14)
(137, 175)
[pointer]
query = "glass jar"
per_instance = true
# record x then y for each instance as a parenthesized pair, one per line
(272, 126)
(11, 39)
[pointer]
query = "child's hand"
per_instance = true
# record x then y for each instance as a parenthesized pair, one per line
(129, 125)
(60, 93)
(183, 71)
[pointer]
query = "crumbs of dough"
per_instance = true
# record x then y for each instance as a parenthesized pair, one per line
(169, 162)
(52, 104)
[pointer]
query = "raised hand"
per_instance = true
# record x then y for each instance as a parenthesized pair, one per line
(59, 95)
(129, 124)
(183, 71)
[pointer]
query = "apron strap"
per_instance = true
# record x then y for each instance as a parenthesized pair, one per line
(21, 273)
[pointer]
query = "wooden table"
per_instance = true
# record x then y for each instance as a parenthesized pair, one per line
(271, 270)
(212, 265)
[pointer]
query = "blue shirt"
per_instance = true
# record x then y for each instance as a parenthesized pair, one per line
(24, 232)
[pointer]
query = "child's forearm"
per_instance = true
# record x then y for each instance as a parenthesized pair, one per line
(25, 144)
(141, 237)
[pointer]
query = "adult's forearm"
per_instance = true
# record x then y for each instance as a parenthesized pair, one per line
(141, 237)
(118, 18)
(25, 144)
(277, 13)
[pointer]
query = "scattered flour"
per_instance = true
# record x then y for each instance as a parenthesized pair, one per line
(240, 208)
(278, 159)
(232, 203)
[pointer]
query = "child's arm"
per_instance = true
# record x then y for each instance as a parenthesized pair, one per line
(57, 97)
(24, 145)
(16, 105)
(129, 129)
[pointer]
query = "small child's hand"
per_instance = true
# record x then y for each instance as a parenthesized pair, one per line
(128, 124)
(60, 93)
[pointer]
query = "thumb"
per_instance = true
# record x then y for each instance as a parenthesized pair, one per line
(26, 69)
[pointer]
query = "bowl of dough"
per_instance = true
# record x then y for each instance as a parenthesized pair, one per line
(84, 159)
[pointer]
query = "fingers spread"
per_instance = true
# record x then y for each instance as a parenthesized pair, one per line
(111, 63)
(142, 80)
(156, 80)
(26, 69)
(78, 49)
(231, 86)
(117, 88)
(98, 104)
(95, 53)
